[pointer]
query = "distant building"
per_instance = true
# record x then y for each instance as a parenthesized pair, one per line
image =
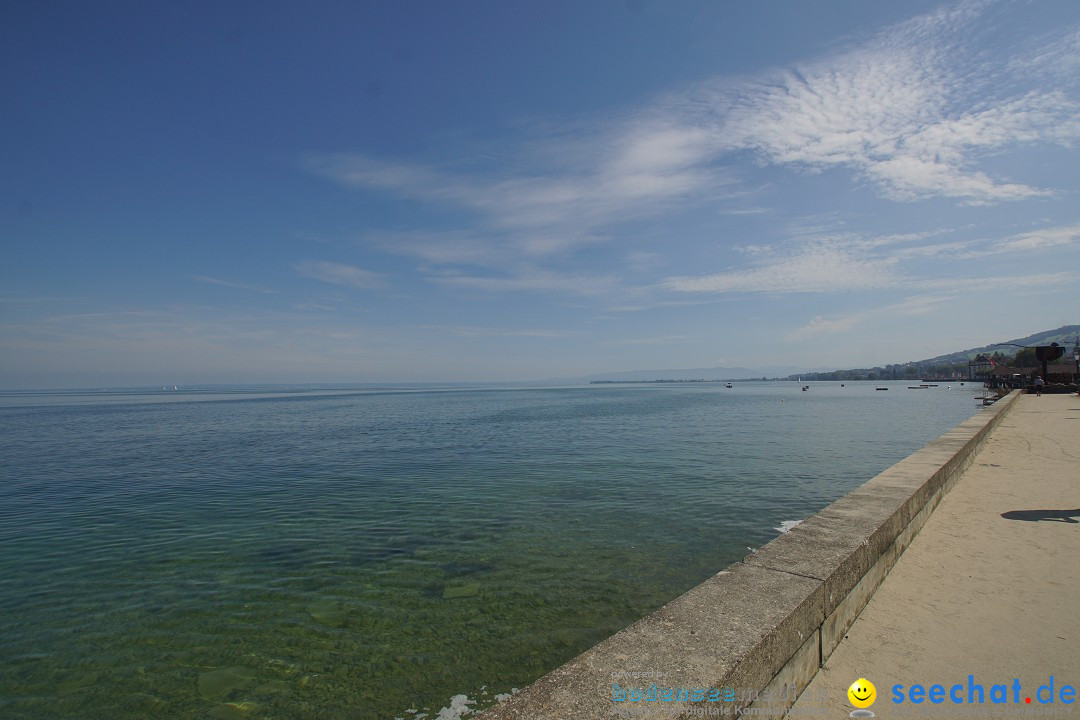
(1057, 373)
(979, 366)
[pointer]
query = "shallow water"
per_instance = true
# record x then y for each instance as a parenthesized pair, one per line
(371, 554)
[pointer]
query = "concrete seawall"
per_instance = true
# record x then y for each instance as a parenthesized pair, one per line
(763, 626)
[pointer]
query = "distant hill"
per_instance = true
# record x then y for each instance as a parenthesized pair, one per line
(950, 365)
(713, 373)
(1064, 336)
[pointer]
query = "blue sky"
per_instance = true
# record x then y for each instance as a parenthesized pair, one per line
(426, 191)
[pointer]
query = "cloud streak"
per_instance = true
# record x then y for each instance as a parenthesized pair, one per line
(821, 268)
(477, 331)
(914, 112)
(531, 281)
(827, 264)
(340, 274)
(648, 168)
(1039, 239)
(206, 280)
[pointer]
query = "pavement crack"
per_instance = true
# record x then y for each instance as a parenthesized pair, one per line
(789, 572)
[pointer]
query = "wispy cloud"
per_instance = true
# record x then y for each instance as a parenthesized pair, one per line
(443, 248)
(1035, 282)
(532, 281)
(915, 305)
(641, 261)
(913, 112)
(210, 344)
(1037, 239)
(309, 306)
(38, 299)
(206, 280)
(646, 168)
(845, 262)
(918, 305)
(658, 340)
(474, 331)
(820, 268)
(1049, 56)
(823, 326)
(340, 274)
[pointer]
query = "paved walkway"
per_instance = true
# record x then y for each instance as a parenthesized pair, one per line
(990, 587)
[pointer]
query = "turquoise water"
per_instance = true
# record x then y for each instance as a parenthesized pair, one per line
(372, 554)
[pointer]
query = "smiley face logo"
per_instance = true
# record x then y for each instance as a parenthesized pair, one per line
(862, 693)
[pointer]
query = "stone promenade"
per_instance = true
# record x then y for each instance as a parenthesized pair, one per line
(989, 588)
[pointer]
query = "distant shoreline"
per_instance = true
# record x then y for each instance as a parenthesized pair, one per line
(636, 382)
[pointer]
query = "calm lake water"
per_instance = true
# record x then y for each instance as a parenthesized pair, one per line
(372, 554)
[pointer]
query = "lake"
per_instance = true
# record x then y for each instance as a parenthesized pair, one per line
(374, 553)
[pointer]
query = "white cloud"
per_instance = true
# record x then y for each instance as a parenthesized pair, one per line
(443, 248)
(919, 305)
(475, 331)
(641, 261)
(533, 281)
(638, 170)
(914, 111)
(1037, 239)
(1049, 56)
(308, 306)
(916, 305)
(340, 274)
(819, 268)
(206, 280)
(1037, 282)
(832, 263)
(822, 326)
(659, 340)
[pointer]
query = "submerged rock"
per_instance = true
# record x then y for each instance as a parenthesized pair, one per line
(232, 711)
(329, 613)
(222, 681)
(77, 682)
(461, 591)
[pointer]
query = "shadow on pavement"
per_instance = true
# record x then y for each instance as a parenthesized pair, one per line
(1069, 516)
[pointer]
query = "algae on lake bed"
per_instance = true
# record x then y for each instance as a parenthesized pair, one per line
(375, 567)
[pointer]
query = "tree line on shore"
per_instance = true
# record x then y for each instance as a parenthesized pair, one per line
(1024, 358)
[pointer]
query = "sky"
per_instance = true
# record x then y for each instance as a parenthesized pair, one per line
(500, 190)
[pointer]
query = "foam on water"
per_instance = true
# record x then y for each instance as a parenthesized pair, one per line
(786, 525)
(458, 708)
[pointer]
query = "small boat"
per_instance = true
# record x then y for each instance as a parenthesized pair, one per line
(728, 385)
(881, 388)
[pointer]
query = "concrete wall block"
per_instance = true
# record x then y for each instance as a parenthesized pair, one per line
(786, 686)
(838, 622)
